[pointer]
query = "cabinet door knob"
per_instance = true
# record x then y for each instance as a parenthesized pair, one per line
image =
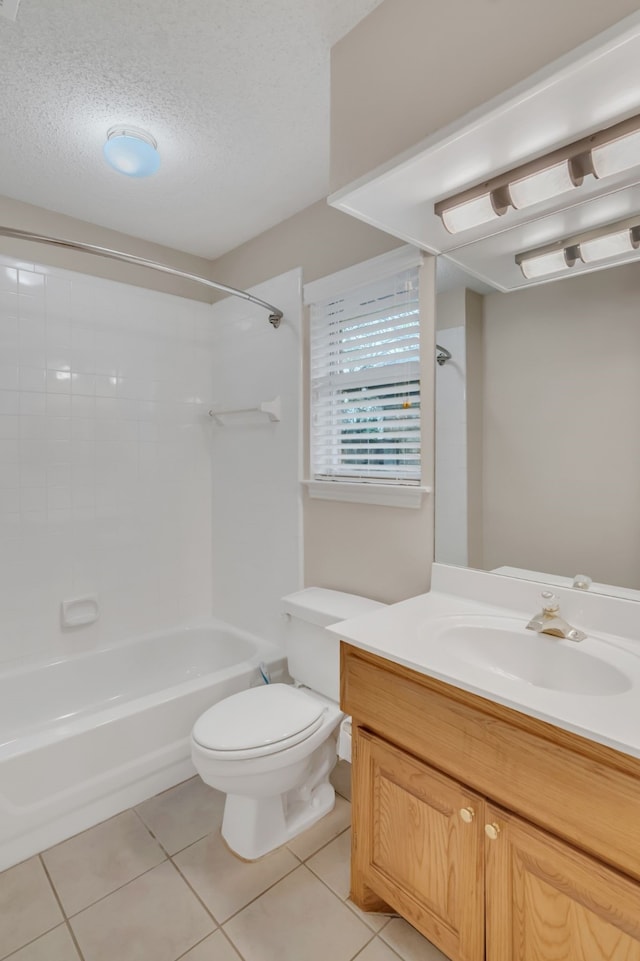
(492, 831)
(467, 815)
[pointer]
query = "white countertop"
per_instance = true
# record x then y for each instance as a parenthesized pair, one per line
(407, 633)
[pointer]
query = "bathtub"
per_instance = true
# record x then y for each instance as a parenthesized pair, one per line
(90, 735)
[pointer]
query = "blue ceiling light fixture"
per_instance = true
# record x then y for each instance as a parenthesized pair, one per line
(131, 151)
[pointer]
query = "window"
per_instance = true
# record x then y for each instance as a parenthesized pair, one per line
(365, 384)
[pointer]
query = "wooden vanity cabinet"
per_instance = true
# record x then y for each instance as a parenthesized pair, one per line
(498, 836)
(546, 901)
(413, 848)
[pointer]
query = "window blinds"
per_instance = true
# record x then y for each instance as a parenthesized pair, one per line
(365, 383)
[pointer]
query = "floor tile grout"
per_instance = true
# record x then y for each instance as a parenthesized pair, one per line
(300, 861)
(325, 845)
(240, 910)
(157, 839)
(7, 957)
(377, 937)
(150, 832)
(72, 935)
(346, 901)
(233, 945)
(197, 896)
(70, 917)
(61, 906)
(359, 952)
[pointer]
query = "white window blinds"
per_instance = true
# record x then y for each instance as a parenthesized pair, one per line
(365, 383)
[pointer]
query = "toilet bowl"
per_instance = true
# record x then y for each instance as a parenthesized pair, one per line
(271, 749)
(277, 778)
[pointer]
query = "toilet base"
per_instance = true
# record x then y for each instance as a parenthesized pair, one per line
(252, 827)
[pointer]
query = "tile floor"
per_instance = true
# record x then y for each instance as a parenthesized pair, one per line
(156, 883)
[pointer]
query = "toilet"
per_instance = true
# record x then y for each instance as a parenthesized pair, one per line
(272, 748)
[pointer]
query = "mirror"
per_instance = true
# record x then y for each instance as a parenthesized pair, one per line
(538, 428)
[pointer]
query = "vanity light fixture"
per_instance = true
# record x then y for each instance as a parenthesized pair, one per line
(614, 240)
(478, 210)
(544, 262)
(602, 154)
(131, 151)
(544, 184)
(616, 155)
(609, 245)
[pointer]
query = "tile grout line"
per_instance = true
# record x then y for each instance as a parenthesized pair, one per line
(218, 930)
(364, 946)
(157, 839)
(234, 946)
(235, 913)
(376, 938)
(323, 846)
(7, 957)
(301, 865)
(350, 907)
(150, 833)
(66, 919)
(61, 906)
(197, 896)
(75, 914)
(196, 945)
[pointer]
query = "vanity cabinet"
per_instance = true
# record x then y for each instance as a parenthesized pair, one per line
(496, 835)
(417, 852)
(546, 900)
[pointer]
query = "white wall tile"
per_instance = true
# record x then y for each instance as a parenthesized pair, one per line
(105, 470)
(256, 463)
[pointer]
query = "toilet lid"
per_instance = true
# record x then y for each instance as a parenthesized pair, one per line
(275, 715)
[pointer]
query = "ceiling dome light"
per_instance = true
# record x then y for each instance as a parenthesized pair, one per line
(131, 151)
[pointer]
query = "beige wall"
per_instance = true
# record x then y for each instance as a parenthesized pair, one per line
(457, 308)
(383, 552)
(413, 66)
(23, 216)
(562, 427)
(319, 239)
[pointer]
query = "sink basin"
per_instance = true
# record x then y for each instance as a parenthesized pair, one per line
(505, 648)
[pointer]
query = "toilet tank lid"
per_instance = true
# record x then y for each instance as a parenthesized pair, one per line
(319, 605)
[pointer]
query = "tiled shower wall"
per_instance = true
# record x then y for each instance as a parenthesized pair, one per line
(257, 510)
(105, 458)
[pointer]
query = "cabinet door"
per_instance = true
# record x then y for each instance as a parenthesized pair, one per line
(418, 847)
(549, 902)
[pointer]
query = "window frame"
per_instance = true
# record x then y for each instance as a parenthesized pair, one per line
(396, 492)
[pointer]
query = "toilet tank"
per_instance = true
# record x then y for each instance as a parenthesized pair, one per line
(313, 653)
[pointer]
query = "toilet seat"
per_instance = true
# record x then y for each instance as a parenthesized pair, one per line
(258, 722)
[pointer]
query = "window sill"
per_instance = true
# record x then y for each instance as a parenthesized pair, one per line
(385, 495)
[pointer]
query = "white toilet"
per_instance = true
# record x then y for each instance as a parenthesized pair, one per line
(271, 749)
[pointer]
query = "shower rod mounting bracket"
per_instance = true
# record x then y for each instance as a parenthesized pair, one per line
(443, 355)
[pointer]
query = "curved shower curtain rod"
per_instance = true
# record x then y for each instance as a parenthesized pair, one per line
(275, 314)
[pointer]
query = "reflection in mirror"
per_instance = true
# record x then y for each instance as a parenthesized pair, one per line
(538, 428)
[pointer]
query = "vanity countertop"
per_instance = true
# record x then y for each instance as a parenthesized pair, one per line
(422, 633)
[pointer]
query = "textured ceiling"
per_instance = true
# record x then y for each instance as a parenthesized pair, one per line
(236, 92)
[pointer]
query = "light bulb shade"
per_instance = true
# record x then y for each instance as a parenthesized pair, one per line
(608, 245)
(552, 262)
(542, 185)
(131, 151)
(469, 214)
(621, 154)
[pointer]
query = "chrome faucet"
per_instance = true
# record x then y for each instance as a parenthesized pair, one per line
(548, 621)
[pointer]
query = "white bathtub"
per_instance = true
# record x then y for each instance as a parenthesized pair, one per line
(90, 735)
